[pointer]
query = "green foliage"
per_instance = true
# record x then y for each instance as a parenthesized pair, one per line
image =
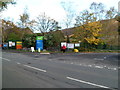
(8, 30)
(53, 39)
(29, 40)
(13, 36)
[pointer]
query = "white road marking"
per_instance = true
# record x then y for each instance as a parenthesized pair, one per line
(50, 59)
(71, 62)
(5, 59)
(109, 68)
(18, 63)
(85, 65)
(104, 66)
(90, 65)
(105, 57)
(35, 68)
(98, 67)
(80, 64)
(114, 68)
(87, 82)
(98, 59)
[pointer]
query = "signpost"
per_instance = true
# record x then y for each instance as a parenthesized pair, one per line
(39, 42)
(70, 45)
(10, 43)
(63, 43)
(77, 44)
(18, 44)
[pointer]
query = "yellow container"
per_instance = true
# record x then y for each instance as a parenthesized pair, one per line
(76, 50)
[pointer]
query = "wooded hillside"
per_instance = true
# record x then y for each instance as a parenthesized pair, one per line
(109, 32)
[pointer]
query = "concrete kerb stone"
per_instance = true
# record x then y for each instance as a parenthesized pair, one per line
(44, 53)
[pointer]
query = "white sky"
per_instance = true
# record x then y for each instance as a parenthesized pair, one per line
(52, 8)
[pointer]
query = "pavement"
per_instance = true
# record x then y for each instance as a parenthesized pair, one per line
(60, 70)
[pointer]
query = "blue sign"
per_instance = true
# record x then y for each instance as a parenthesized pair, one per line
(5, 45)
(39, 44)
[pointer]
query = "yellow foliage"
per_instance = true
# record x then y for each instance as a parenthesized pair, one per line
(93, 40)
(89, 32)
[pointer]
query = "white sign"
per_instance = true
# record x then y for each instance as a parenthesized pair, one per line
(32, 49)
(77, 44)
(10, 43)
(70, 45)
(63, 43)
(13, 43)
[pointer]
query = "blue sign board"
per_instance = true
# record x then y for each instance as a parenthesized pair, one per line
(5, 45)
(39, 42)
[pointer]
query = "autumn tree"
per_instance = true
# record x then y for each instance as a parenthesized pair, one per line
(87, 28)
(10, 31)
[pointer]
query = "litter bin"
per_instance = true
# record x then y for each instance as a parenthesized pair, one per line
(76, 50)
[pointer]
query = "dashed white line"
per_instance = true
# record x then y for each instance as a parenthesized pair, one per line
(114, 68)
(50, 59)
(5, 59)
(18, 63)
(98, 59)
(80, 64)
(71, 63)
(35, 68)
(105, 57)
(90, 65)
(98, 67)
(81, 81)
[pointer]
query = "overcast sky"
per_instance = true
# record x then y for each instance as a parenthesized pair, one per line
(52, 8)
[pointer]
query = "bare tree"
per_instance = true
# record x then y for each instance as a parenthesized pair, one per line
(94, 8)
(101, 11)
(70, 13)
(85, 17)
(4, 4)
(98, 10)
(24, 19)
(45, 24)
(111, 13)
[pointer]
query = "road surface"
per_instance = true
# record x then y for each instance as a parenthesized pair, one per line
(82, 70)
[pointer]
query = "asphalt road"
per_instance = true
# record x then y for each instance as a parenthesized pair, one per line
(81, 70)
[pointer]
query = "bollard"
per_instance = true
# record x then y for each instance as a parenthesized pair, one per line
(76, 50)
(38, 49)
